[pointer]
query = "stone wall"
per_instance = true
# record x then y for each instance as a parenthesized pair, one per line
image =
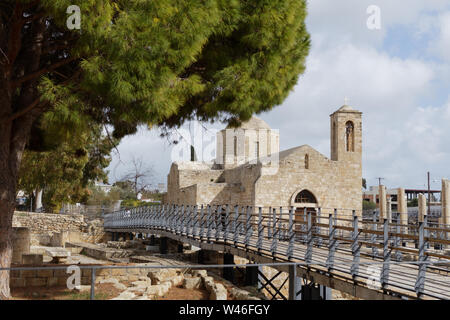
(43, 222)
(55, 229)
(55, 278)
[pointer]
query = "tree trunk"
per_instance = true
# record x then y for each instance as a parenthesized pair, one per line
(6, 215)
(7, 204)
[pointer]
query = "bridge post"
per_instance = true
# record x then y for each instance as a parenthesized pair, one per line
(251, 276)
(309, 239)
(273, 247)
(426, 231)
(290, 250)
(235, 226)
(373, 237)
(218, 220)
(189, 220)
(386, 254)
(228, 273)
(260, 229)
(332, 243)
(180, 221)
(185, 222)
(318, 229)
(195, 225)
(201, 223)
(355, 247)
(397, 240)
(294, 283)
(163, 245)
(269, 222)
(305, 226)
(248, 228)
(208, 224)
(420, 281)
(168, 217)
(280, 224)
(227, 222)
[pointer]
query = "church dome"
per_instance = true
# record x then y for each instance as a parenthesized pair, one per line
(346, 108)
(254, 123)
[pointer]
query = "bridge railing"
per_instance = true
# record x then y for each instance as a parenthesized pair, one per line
(276, 231)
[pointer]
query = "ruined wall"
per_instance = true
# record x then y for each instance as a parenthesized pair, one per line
(55, 229)
(42, 222)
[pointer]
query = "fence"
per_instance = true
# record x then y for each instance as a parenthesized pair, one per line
(277, 231)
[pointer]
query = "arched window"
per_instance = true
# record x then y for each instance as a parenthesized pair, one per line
(306, 161)
(350, 136)
(305, 196)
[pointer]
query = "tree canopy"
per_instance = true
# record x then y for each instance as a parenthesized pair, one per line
(136, 62)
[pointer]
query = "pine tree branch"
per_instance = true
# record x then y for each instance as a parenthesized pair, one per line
(35, 103)
(17, 82)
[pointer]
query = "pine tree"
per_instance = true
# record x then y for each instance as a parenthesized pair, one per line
(155, 62)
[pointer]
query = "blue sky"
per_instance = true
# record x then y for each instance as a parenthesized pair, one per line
(398, 76)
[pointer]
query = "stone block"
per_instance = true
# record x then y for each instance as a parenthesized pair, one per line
(15, 274)
(17, 283)
(192, 283)
(62, 281)
(36, 282)
(199, 273)
(176, 280)
(28, 273)
(32, 259)
(52, 282)
(219, 292)
(133, 278)
(47, 273)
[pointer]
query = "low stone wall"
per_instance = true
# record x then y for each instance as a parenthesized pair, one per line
(53, 229)
(56, 278)
(47, 222)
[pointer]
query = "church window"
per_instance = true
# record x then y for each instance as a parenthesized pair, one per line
(235, 146)
(350, 136)
(305, 196)
(306, 161)
(256, 149)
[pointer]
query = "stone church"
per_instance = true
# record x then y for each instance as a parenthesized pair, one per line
(250, 169)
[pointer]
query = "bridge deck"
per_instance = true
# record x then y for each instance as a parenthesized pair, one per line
(399, 278)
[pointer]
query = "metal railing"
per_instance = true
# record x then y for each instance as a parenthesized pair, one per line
(95, 268)
(277, 232)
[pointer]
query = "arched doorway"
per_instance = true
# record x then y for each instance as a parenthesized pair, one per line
(304, 199)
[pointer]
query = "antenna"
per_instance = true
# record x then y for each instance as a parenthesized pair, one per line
(379, 180)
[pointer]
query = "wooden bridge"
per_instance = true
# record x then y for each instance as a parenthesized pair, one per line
(369, 258)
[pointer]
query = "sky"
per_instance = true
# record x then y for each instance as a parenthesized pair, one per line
(395, 69)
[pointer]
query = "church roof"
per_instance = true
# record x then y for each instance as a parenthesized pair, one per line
(254, 123)
(347, 108)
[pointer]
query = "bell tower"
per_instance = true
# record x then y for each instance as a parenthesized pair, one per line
(346, 135)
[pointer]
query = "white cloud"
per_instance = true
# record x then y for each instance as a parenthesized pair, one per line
(406, 132)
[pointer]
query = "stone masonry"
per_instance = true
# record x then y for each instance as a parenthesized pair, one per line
(279, 178)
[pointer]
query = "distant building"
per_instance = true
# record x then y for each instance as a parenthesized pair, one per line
(103, 186)
(373, 195)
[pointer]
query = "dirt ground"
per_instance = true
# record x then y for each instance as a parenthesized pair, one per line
(102, 292)
(178, 293)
